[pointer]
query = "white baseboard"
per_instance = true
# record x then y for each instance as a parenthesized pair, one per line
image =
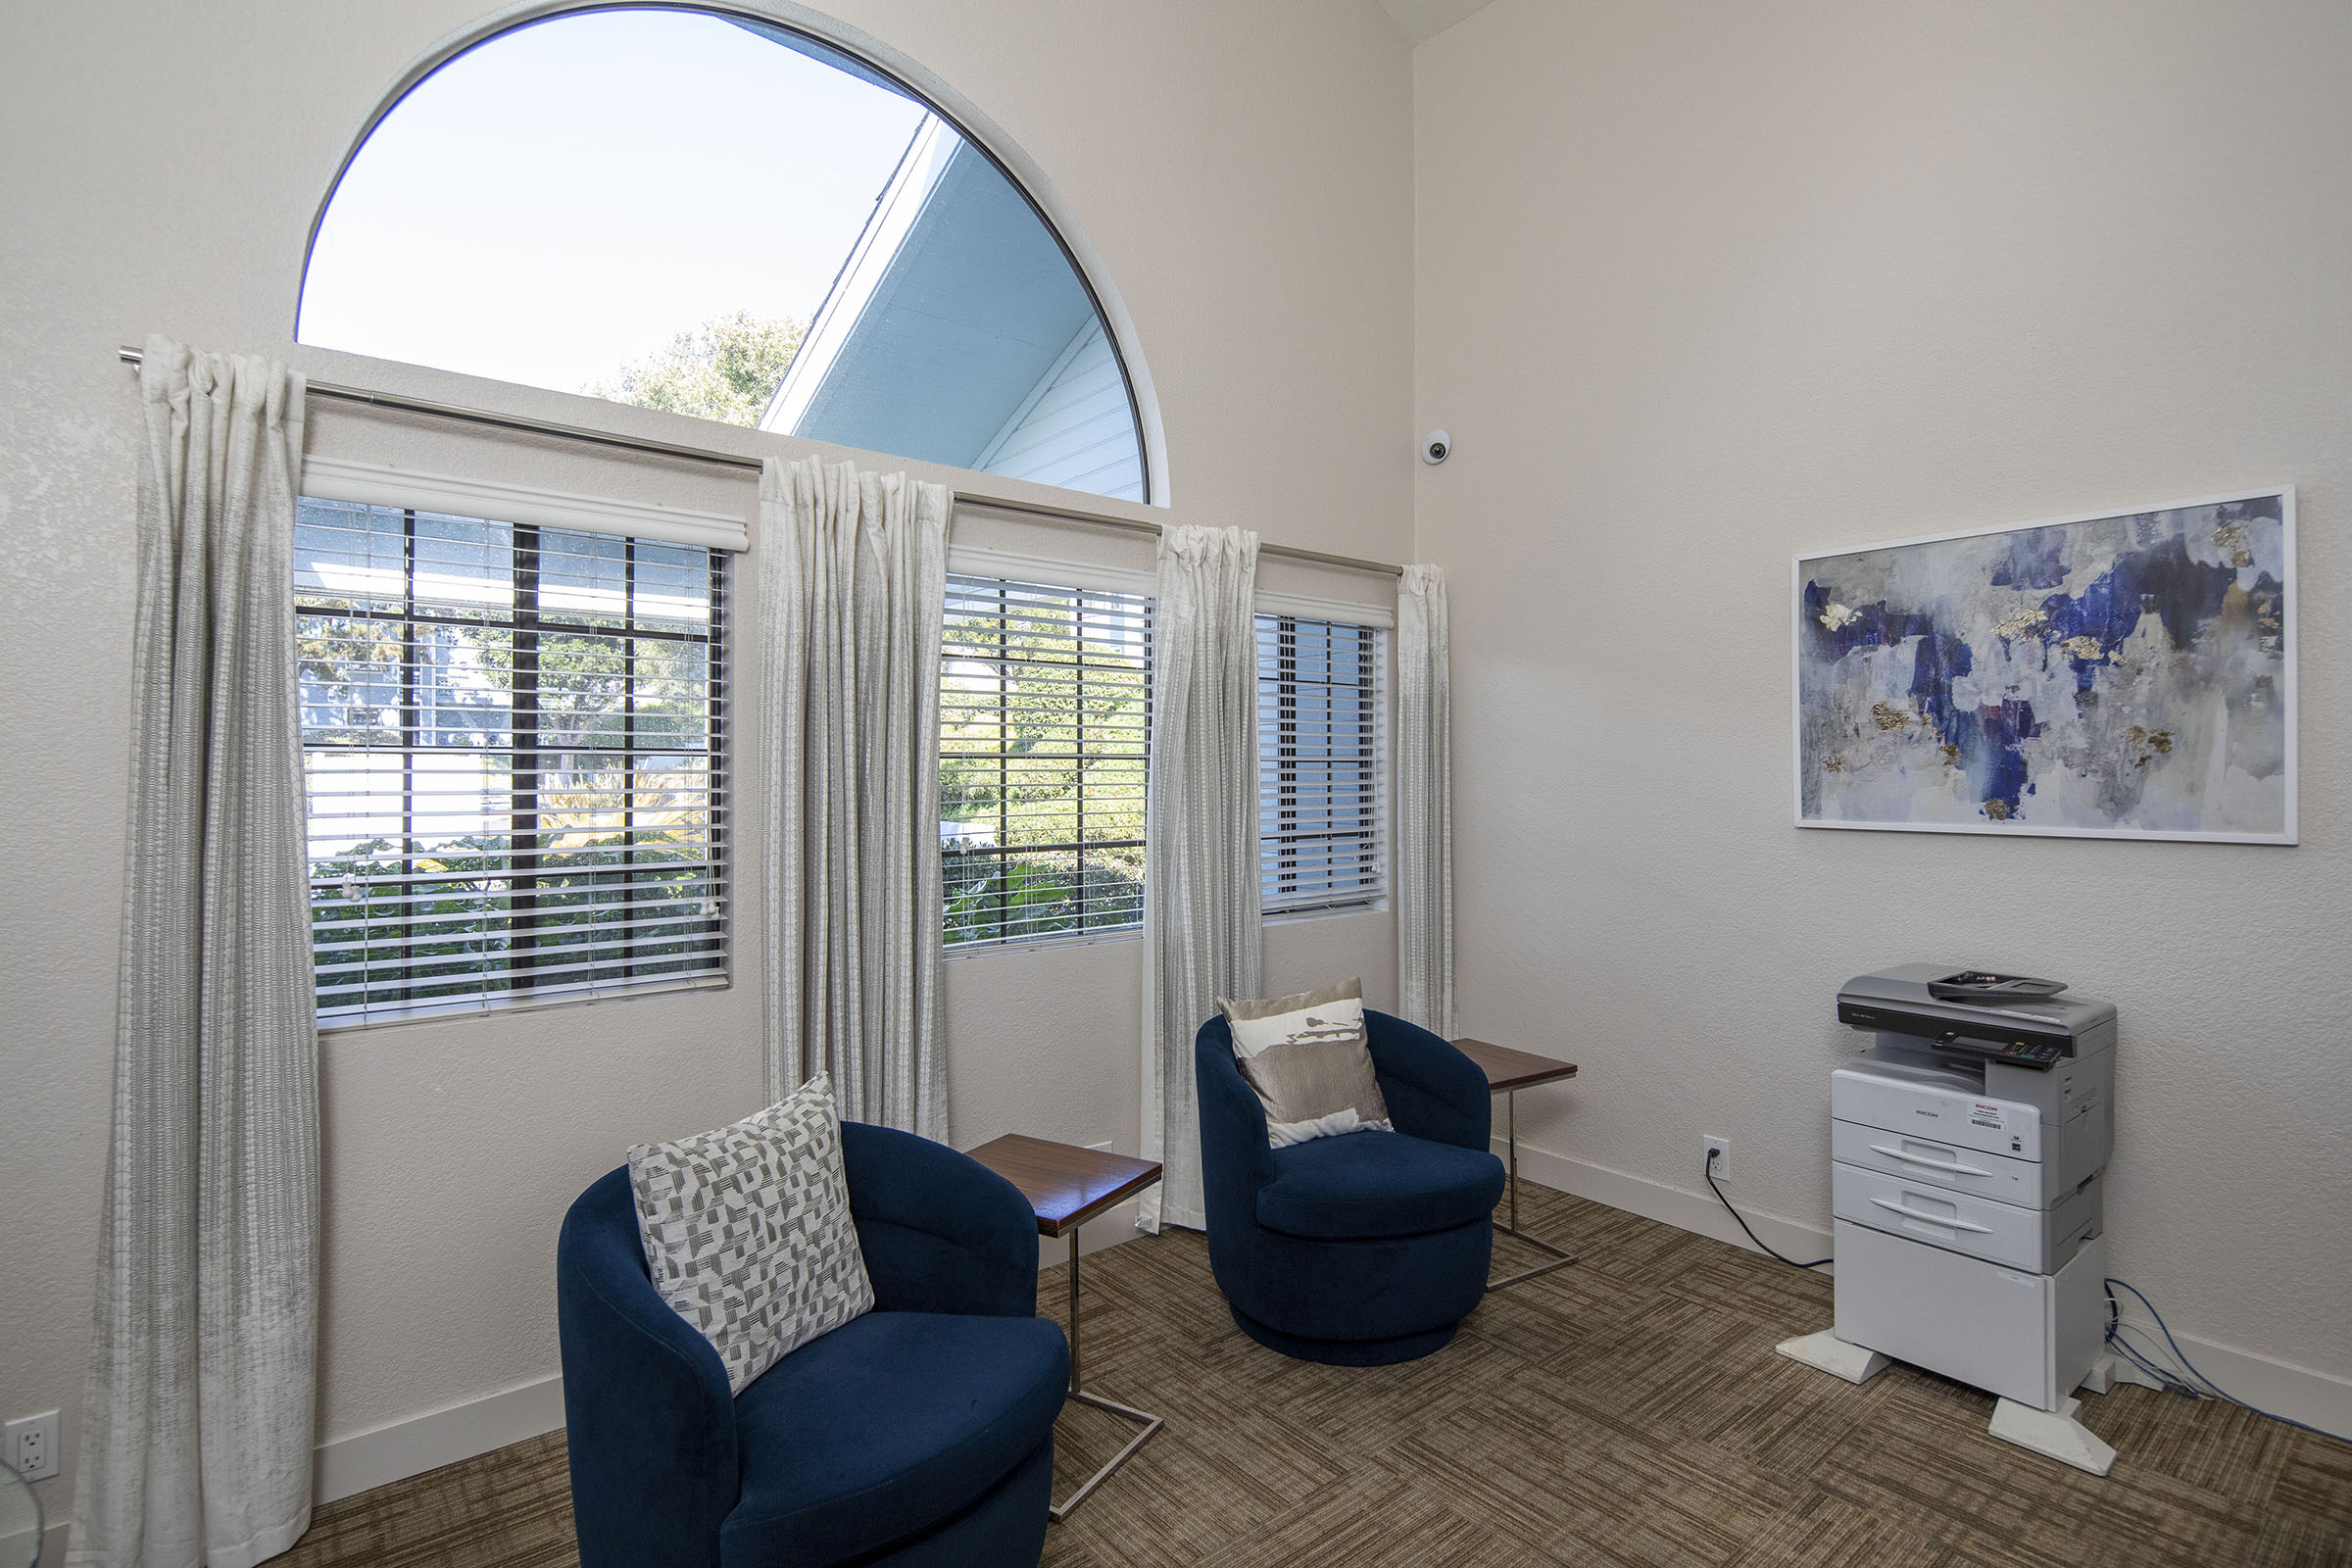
(2281, 1388)
(1697, 1212)
(2299, 1392)
(399, 1449)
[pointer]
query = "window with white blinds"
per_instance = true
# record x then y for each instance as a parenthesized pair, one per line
(512, 740)
(1044, 727)
(1322, 732)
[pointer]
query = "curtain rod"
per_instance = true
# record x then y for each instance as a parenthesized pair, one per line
(405, 404)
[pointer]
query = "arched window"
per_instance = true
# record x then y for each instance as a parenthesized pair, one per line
(723, 217)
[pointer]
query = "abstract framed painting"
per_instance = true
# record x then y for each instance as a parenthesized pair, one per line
(2124, 674)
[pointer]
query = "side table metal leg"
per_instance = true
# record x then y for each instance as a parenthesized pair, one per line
(1151, 1423)
(1559, 1258)
(1510, 1120)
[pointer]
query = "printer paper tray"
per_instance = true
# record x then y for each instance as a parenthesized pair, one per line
(2037, 1240)
(2024, 1182)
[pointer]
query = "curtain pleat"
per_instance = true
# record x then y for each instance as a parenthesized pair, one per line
(1424, 803)
(197, 1411)
(852, 594)
(1200, 873)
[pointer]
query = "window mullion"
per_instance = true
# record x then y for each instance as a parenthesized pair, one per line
(1078, 763)
(628, 744)
(1286, 689)
(1366, 763)
(715, 816)
(1003, 759)
(522, 927)
(408, 745)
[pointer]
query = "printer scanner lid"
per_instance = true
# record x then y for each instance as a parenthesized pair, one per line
(1898, 1000)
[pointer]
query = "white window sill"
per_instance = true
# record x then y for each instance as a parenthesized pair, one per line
(447, 1012)
(1060, 939)
(1135, 933)
(1327, 912)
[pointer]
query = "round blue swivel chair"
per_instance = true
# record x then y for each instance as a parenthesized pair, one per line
(917, 1436)
(1361, 1249)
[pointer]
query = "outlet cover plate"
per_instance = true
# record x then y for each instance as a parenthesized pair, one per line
(31, 1445)
(1721, 1149)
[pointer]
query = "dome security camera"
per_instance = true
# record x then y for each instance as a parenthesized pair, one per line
(1435, 447)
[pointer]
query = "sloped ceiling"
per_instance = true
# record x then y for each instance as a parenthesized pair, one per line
(1422, 20)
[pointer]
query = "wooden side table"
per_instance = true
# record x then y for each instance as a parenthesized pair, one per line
(1067, 1186)
(1507, 1072)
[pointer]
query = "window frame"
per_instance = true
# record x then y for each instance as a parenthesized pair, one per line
(1085, 587)
(1375, 686)
(411, 494)
(892, 67)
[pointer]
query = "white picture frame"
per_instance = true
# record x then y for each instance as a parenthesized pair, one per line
(2069, 810)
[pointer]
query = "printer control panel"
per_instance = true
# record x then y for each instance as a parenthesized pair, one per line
(2043, 1054)
(1979, 1034)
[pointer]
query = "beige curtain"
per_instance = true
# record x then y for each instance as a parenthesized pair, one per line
(1201, 877)
(1424, 803)
(853, 589)
(197, 1408)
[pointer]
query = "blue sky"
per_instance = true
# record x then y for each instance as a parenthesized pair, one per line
(570, 196)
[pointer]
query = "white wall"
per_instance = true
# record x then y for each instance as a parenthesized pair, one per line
(1246, 177)
(1694, 285)
(1701, 286)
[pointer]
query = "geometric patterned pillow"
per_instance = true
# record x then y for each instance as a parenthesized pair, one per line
(748, 1233)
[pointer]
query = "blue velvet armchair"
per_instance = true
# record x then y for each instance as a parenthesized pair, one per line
(920, 1434)
(1364, 1249)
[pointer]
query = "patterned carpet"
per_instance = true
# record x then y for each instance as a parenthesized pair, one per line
(1628, 1410)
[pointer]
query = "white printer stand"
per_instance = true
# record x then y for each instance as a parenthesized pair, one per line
(1968, 1196)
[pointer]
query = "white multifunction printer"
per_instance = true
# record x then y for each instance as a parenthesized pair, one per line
(1968, 1148)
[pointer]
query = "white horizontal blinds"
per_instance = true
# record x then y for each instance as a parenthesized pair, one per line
(1044, 727)
(512, 744)
(1322, 775)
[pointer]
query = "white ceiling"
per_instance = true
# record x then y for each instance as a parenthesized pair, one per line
(1423, 20)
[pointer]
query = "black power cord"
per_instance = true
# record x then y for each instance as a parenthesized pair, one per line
(1709, 1173)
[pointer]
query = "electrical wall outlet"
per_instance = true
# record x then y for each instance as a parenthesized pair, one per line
(31, 1445)
(1717, 1161)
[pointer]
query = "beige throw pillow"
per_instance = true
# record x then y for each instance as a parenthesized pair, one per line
(1307, 1059)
